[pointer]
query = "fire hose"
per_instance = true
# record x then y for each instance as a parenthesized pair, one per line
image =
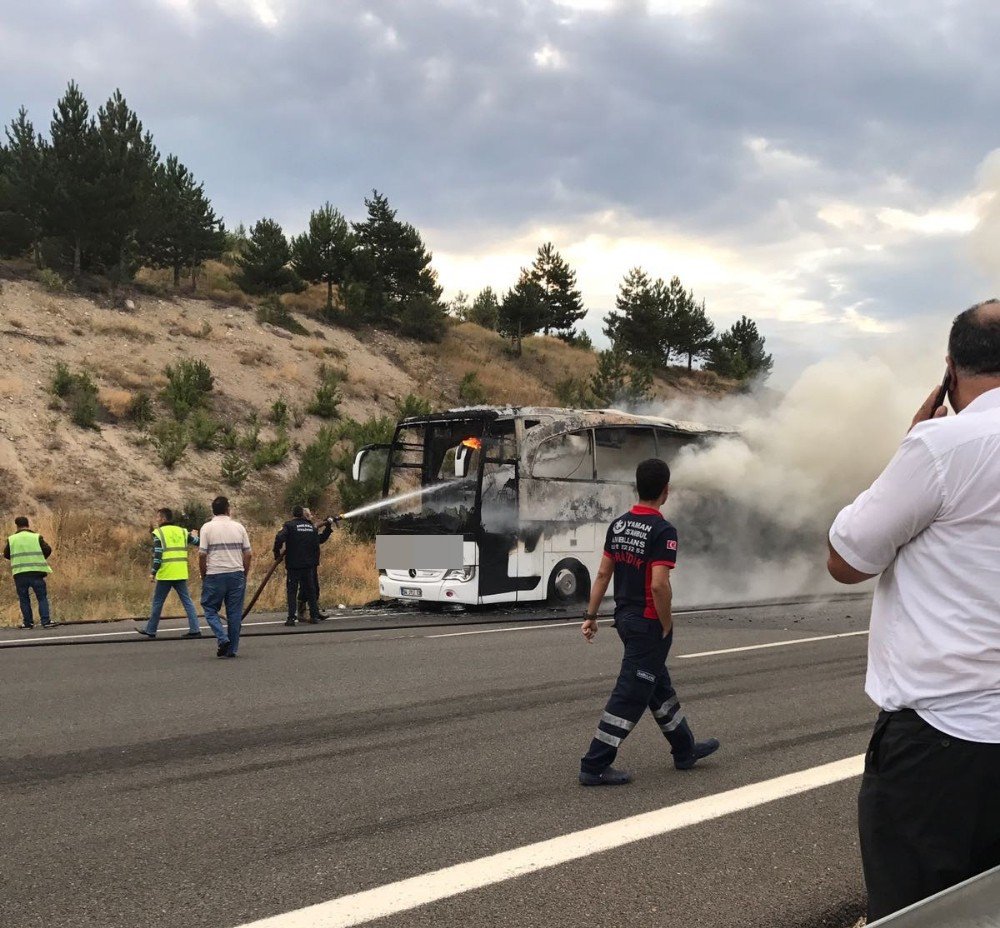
(263, 583)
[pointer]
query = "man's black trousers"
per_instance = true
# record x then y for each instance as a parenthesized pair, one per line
(299, 584)
(642, 683)
(928, 811)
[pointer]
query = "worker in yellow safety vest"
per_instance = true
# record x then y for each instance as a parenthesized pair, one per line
(170, 572)
(27, 552)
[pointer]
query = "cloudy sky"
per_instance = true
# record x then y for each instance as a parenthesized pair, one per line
(824, 167)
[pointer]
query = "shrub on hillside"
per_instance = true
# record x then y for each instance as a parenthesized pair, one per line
(317, 470)
(271, 453)
(82, 399)
(279, 414)
(188, 386)
(235, 469)
(62, 380)
(471, 391)
(203, 430)
(170, 440)
(140, 410)
(272, 311)
(50, 280)
(326, 402)
(193, 514)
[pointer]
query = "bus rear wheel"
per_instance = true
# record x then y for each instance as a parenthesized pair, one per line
(569, 582)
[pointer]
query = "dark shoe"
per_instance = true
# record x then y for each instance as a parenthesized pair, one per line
(222, 650)
(701, 750)
(192, 635)
(230, 654)
(49, 624)
(22, 625)
(609, 777)
(144, 633)
(289, 621)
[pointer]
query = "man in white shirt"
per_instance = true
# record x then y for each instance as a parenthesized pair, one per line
(929, 806)
(224, 559)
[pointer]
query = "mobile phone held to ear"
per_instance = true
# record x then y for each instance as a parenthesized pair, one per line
(942, 394)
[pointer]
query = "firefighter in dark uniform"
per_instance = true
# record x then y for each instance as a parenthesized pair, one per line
(639, 553)
(324, 536)
(299, 541)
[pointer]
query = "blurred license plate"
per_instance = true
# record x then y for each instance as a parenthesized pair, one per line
(409, 591)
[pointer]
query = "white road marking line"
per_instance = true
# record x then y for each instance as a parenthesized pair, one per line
(164, 633)
(519, 628)
(405, 895)
(771, 644)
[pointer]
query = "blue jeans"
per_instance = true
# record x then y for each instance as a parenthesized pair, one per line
(160, 593)
(230, 589)
(36, 582)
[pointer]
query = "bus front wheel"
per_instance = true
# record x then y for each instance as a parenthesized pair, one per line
(569, 582)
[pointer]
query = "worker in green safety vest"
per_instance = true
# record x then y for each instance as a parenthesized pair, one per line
(170, 572)
(27, 552)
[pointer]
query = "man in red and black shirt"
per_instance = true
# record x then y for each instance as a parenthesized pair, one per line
(639, 553)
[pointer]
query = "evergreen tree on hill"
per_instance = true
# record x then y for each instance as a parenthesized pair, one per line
(640, 324)
(74, 211)
(187, 230)
(619, 381)
(322, 254)
(739, 353)
(391, 268)
(264, 263)
(23, 190)
(522, 311)
(127, 177)
(563, 303)
(485, 309)
(693, 331)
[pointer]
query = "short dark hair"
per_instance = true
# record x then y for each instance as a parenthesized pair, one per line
(220, 506)
(651, 478)
(167, 514)
(21, 522)
(297, 512)
(974, 342)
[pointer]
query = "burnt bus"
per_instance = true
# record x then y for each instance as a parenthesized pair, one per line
(507, 504)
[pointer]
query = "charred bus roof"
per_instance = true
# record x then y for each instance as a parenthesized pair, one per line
(568, 419)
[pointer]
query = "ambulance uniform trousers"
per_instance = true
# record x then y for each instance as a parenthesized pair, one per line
(643, 683)
(299, 585)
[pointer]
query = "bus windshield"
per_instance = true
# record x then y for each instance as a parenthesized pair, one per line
(432, 493)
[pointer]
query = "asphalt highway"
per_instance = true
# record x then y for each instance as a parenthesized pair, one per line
(146, 783)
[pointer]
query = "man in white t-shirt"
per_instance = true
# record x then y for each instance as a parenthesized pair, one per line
(929, 807)
(224, 560)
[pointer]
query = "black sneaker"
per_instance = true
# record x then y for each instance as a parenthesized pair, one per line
(144, 633)
(289, 621)
(609, 777)
(49, 624)
(192, 635)
(701, 750)
(222, 650)
(23, 625)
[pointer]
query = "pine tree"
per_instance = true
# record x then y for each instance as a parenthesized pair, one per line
(74, 211)
(640, 324)
(187, 230)
(522, 311)
(485, 309)
(693, 331)
(323, 253)
(563, 303)
(617, 380)
(459, 306)
(23, 187)
(129, 162)
(391, 267)
(739, 353)
(263, 266)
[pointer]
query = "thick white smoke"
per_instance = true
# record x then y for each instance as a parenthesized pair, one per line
(757, 506)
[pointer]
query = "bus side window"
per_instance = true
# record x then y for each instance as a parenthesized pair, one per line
(569, 456)
(668, 444)
(619, 450)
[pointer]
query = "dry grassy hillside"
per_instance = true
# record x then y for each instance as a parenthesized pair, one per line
(54, 470)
